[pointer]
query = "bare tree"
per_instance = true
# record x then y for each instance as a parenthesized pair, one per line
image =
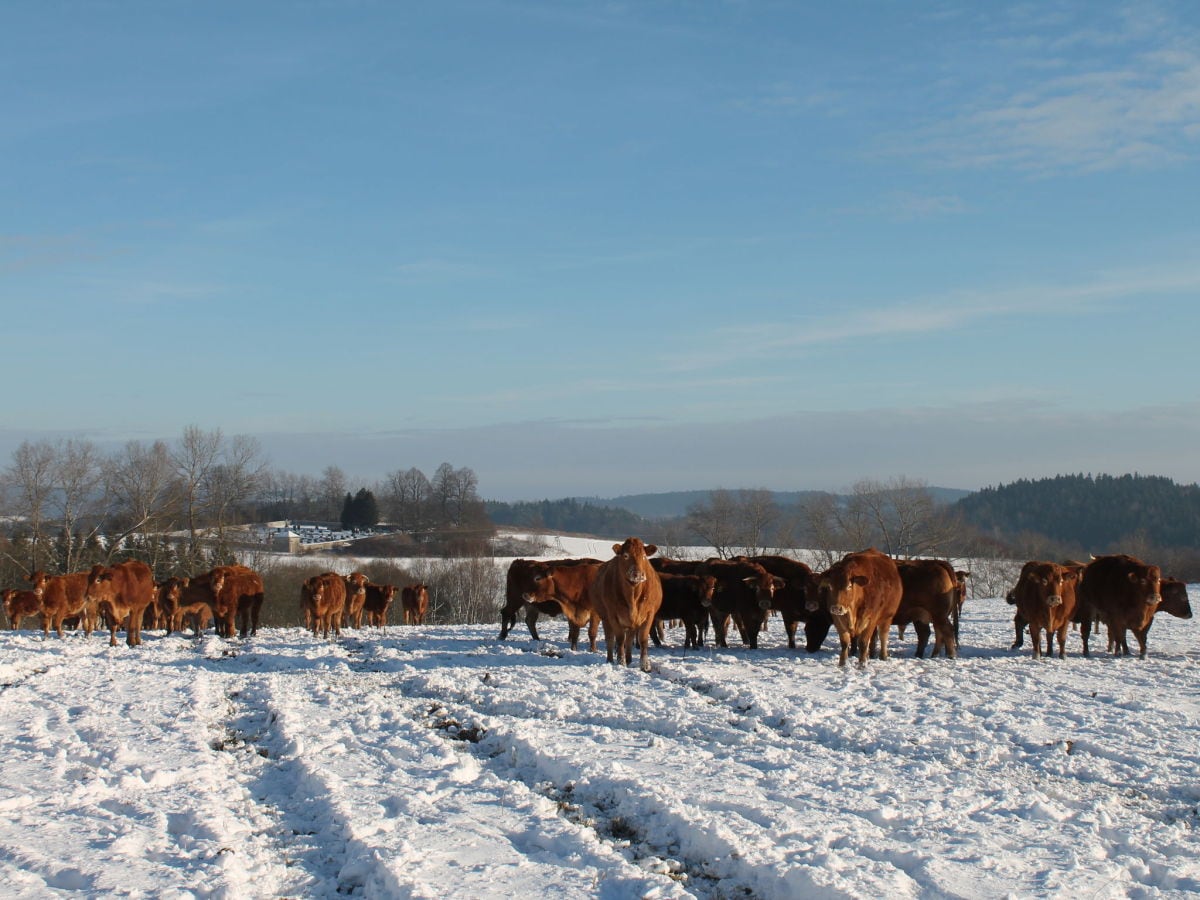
(758, 514)
(332, 489)
(899, 517)
(444, 485)
(716, 521)
(904, 516)
(194, 456)
(29, 481)
(233, 480)
(144, 492)
(77, 476)
(466, 495)
(824, 534)
(406, 496)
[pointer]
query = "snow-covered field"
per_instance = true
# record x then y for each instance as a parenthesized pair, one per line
(439, 762)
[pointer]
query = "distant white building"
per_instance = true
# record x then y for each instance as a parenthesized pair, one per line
(285, 541)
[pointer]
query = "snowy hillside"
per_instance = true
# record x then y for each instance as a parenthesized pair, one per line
(440, 762)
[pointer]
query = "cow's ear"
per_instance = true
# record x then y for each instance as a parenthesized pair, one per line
(1133, 576)
(184, 582)
(750, 581)
(779, 583)
(651, 549)
(616, 548)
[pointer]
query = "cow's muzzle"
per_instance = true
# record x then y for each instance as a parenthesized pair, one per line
(1053, 600)
(838, 610)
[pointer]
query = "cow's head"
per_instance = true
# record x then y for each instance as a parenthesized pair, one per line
(39, 580)
(1174, 599)
(840, 590)
(764, 586)
(538, 586)
(169, 594)
(1046, 582)
(356, 584)
(100, 585)
(633, 559)
(316, 589)
(708, 587)
(1147, 583)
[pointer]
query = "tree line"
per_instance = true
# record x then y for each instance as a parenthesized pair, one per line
(174, 504)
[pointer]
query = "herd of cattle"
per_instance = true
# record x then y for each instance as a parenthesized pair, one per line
(125, 595)
(861, 597)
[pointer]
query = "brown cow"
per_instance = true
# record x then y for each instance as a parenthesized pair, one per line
(960, 597)
(796, 600)
(745, 591)
(1045, 597)
(21, 605)
(377, 603)
(414, 600)
(687, 598)
(121, 593)
(1174, 603)
(186, 599)
(627, 593)
(862, 593)
(518, 584)
(566, 586)
(237, 593)
(323, 598)
(1123, 592)
(64, 596)
(356, 594)
(930, 598)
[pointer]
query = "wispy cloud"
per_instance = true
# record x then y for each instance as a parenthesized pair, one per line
(956, 310)
(1098, 111)
(434, 269)
(907, 206)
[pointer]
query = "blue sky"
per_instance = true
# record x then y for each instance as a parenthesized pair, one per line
(599, 248)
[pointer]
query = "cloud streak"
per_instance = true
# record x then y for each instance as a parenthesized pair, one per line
(1099, 116)
(955, 311)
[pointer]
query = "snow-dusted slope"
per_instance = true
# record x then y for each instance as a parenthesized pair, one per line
(435, 762)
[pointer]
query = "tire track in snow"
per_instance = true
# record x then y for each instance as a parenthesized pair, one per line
(694, 806)
(395, 808)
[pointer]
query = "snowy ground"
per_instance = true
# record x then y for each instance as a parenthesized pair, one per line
(439, 762)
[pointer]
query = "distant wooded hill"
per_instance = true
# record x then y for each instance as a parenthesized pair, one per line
(1098, 513)
(1095, 513)
(635, 513)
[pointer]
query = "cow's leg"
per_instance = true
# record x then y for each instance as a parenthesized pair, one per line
(645, 660)
(1035, 637)
(573, 634)
(609, 637)
(531, 617)
(1141, 634)
(1018, 632)
(1085, 630)
(865, 643)
(720, 624)
(815, 633)
(789, 628)
(922, 630)
(884, 630)
(1062, 640)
